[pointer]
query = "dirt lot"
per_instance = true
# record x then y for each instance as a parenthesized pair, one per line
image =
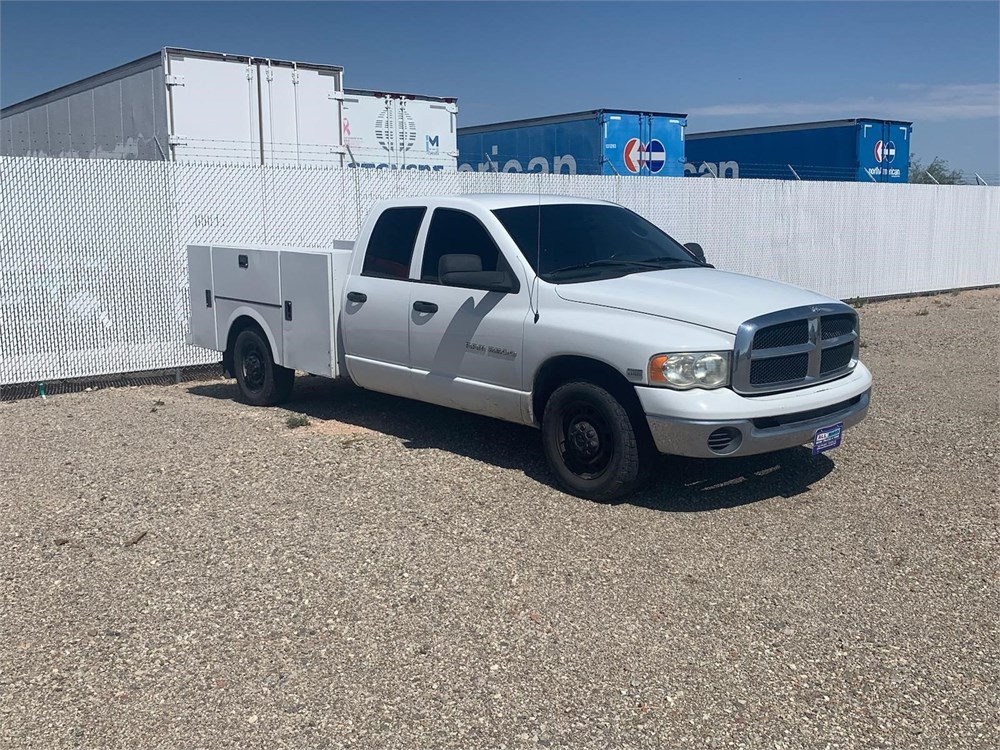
(179, 570)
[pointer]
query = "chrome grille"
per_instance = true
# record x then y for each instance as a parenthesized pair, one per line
(779, 369)
(835, 326)
(795, 348)
(784, 334)
(836, 357)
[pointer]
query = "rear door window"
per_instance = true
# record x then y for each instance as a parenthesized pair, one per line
(390, 248)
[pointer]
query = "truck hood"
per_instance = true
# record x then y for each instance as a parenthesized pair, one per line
(703, 296)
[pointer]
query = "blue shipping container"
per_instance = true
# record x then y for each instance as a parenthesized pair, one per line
(862, 150)
(601, 141)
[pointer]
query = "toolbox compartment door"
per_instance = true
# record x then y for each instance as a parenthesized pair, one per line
(246, 275)
(307, 307)
(201, 297)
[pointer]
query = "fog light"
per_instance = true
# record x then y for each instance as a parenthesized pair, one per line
(725, 440)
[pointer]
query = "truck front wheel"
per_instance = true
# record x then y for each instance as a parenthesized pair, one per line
(260, 380)
(590, 442)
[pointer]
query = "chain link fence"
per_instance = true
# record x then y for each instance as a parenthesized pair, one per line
(93, 275)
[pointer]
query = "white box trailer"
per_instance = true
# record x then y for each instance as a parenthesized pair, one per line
(400, 131)
(188, 105)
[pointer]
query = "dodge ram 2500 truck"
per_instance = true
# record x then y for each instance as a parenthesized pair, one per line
(575, 316)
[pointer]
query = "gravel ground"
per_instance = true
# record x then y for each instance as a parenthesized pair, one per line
(179, 570)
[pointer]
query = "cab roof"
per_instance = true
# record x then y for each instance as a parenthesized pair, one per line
(491, 201)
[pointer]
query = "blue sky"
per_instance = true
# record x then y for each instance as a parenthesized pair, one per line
(726, 64)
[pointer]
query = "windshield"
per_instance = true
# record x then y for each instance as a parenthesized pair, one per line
(578, 241)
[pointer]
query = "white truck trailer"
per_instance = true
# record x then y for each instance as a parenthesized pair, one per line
(575, 316)
(386, 130)
(188, 105)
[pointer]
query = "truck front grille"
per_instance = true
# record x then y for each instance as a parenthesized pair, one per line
(783, 334)
(835, 326)
(836, 358)
(795, 348)
(779, 369)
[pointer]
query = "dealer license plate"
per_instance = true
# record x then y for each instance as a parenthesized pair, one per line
(827, 438)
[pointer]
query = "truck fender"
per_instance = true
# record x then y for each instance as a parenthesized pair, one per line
(568, 367)
(248, 312)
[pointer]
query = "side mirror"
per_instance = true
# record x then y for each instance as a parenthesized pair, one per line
(466, 271)
(491, 281)
(695, 249)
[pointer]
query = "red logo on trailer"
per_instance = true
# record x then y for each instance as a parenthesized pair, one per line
(637, 155)
(633, 155)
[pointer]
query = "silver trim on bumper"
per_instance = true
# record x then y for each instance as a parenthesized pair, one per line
(688, 437)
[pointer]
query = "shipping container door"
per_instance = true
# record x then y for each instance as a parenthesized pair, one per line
(665, 152)
(213, 109)
(898, 138)
(428, 135)
(301, 116)
(369, 130)
(280, 120)
(872, 150)
(320, 117)
(624, 144)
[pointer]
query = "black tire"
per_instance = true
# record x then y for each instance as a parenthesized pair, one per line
(261, 382)
(591, 444)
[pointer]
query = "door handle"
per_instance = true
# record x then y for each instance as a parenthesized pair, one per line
(357, 297)
(425, 307)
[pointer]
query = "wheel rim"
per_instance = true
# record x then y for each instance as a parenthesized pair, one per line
(254, 369)
(587, 444)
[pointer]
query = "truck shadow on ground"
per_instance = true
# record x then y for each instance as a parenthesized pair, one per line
(679, 484)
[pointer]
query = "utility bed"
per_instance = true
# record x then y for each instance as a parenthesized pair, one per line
(293, 293)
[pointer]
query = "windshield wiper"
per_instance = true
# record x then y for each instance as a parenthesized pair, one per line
(654, 264)
(672, 260)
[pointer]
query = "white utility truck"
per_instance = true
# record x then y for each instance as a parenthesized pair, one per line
(575, 316)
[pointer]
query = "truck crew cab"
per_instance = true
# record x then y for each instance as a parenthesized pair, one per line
(575, 316)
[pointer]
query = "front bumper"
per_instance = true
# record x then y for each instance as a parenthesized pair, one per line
(759, 424)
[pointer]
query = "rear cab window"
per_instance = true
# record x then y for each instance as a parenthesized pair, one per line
(390, 247)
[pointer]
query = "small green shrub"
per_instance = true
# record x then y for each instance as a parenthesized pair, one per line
(296, 420)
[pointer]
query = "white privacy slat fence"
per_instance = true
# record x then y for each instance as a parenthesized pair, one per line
(92, 265)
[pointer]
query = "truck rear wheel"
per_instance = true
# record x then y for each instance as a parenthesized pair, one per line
(590, 442)
(261, 382)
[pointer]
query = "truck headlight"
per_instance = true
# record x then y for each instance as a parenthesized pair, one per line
(684, 370)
